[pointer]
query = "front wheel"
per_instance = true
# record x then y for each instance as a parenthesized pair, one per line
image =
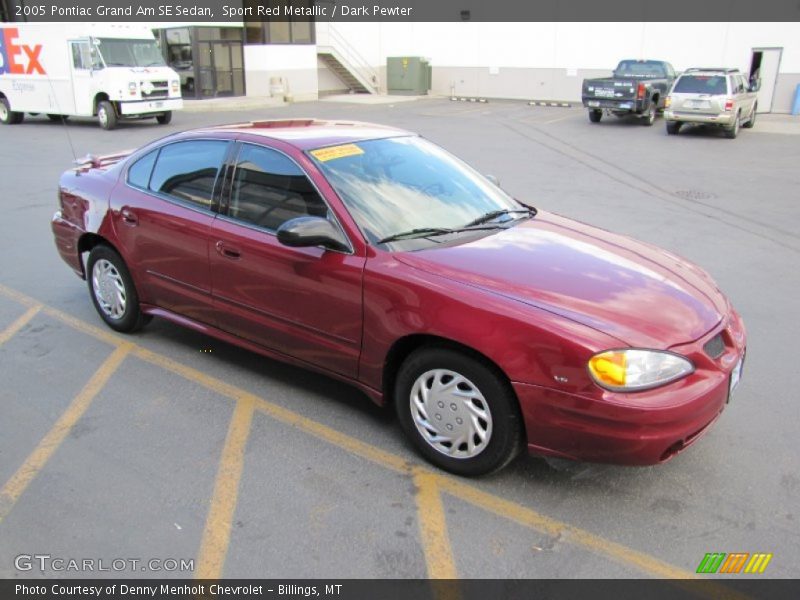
(112, 290)
(8, 116)
(460, 414)
(595, 115)
(106, 115)
(673, 127)
(752, 121)
(165, 118)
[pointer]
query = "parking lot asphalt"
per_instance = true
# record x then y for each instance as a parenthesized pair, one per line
(166, 444)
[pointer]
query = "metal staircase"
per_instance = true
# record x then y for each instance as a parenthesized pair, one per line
(343, 60)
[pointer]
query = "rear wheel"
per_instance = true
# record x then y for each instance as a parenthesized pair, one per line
(461, 415)
(673, 127)
(595, 115)
(165, 118)
(106, 115)
(733, 131)
(8, 116)
(752, 120)
(650, 115)
(112, 290)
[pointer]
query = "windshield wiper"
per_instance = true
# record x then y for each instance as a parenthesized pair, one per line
(491, 215)
(419, 232)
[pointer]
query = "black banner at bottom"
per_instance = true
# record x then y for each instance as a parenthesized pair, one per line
(396, 589)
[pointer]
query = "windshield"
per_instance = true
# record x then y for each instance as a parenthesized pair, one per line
(129, 53)
(402, 184)
(640, 68)
(701, 84)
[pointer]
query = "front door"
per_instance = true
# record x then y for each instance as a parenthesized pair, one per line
(301, 302)
(84, 61)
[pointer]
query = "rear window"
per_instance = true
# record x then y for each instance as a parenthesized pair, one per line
(640, 68)
(701, 84)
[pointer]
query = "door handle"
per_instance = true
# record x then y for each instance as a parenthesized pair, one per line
(129, 217)
(227, 251)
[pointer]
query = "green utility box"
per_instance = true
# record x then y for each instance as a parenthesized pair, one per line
(408, 75)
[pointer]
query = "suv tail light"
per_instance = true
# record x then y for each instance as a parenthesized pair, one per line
(640, 91)
(728, 104)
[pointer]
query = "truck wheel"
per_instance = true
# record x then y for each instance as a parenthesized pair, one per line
(752, 121)
(460, 414)
(733, 131)
(106, 115)
(165, 118)
(57, 118)
(595, 115)
(8, 116)
(650, 116)
(673, 127)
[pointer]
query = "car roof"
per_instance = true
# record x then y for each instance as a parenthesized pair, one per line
(709, 70)
(307, 134)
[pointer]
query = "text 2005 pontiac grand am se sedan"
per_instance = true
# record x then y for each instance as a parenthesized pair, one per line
(374, 256)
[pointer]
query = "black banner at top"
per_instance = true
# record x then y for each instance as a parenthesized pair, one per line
(400, 11)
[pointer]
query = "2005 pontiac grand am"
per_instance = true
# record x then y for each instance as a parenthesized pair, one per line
(371, 255)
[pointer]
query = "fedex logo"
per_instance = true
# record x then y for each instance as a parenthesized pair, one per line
(18, 59)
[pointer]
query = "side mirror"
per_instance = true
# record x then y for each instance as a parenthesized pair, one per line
(302, 232)
(493, 179)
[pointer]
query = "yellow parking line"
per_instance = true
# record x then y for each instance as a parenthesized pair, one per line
(14, 487)
(217, 533)
(464, 491)
(12, 329)
(433, 526)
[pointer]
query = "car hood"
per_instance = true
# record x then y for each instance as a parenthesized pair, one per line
(640, 294)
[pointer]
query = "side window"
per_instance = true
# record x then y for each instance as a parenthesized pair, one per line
(84, 56)
(139, 173)
(268, 189)
(187, 171)
(742, 87)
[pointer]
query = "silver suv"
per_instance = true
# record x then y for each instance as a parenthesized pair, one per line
(721, 97)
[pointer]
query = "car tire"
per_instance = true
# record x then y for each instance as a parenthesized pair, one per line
(483, 412)
(112, 290)
(733, 131)
(164, 119)
(57, 118)
(106, 115)
(8, 116)
(752, 120)
(673, 127)
(650, 116)
(595, 115)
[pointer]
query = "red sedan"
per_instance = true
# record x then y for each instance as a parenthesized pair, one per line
(373, 256)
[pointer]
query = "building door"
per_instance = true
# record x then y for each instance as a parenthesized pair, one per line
(221, 68)
(764, 65)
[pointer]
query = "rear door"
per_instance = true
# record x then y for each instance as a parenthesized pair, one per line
(301, 302)
(162, 211)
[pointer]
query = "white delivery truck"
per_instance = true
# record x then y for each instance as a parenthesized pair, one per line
(111, 71)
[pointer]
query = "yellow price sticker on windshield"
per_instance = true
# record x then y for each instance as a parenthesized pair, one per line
(326, 154)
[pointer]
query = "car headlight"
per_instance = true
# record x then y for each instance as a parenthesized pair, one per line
(632, 370)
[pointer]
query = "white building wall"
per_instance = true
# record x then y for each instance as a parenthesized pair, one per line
(295, 64)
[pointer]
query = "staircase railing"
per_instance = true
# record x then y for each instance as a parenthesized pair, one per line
(345, 53)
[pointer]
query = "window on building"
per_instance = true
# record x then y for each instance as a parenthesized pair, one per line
(279, 30)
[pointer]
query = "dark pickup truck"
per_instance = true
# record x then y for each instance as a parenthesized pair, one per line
(637, 87)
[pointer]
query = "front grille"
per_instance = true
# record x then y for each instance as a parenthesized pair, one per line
(160, 90)
(715, 346)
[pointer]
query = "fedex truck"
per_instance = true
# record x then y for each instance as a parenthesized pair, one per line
(103, 70)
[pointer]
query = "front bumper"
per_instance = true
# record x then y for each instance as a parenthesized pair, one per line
(641, 428)
(725, 119)
(146, 107)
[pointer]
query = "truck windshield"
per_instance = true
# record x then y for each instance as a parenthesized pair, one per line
(640, 68)
(129, 53)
